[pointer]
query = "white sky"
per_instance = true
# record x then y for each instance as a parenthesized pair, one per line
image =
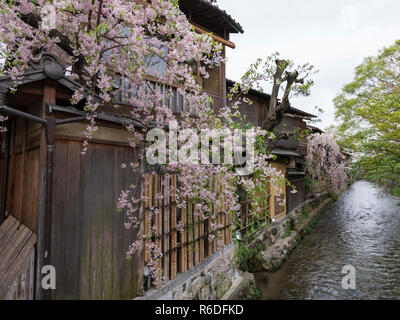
(333, 35)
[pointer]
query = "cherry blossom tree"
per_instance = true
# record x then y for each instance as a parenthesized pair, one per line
(323, 163)
(101, 40)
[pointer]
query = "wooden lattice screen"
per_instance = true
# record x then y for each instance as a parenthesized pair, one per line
(181, 250)
(248, 217)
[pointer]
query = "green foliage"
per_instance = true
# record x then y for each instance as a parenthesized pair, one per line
(253, 293)
(288, 231)
(305, 212)
(369, 113)
(396, 191)
(308, 184)
(334, 196)
(249, 259)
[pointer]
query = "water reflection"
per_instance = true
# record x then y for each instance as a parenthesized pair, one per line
(361, 229)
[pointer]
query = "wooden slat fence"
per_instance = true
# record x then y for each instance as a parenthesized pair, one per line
(248, 217)
(181, 249)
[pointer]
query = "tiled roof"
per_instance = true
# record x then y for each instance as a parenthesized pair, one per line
(256, 93)
(228, 17)
(299, 112)
(205, 8)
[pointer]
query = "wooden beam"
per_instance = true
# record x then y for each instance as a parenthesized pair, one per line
(215, 37)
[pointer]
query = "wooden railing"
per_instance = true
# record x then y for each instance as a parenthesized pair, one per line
(302, 148)
(181, 249)
(172, 98)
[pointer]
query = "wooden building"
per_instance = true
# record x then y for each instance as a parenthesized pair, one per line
(290, 153)
(68, 201)
(79, 231)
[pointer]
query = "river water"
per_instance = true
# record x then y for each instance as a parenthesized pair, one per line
(361, 229)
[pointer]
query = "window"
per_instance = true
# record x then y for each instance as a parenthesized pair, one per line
(213, 82)
(156, 65)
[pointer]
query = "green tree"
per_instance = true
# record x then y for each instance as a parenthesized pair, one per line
(368, 110)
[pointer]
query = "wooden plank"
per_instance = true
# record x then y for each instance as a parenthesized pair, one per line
(21, 198)
(166, 227)
(201, 239)
(218, 210)
(123, 270)
(87, 203)
(158, 223)
(196, 239)
(108, 203)
(59, 216)
(7, 229)
(208, 221)
(15, 270)
(183, 255)
(97, 229)
(146, 215)
(190, 236)
(174, 261)
(67, 221)
(14, 246)
(15, 256)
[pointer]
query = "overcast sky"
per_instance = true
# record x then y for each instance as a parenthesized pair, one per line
(332, 35)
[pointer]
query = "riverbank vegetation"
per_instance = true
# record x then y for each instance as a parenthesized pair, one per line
(368, 110)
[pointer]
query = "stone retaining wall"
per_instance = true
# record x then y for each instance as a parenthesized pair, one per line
(213, 279)
(283, 236)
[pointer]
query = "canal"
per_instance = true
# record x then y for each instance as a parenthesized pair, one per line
(361, 229)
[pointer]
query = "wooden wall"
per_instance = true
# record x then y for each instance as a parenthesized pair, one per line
(255, 112)
(295, 199)
(89, 241)
(277, 210)
(24, 175)
(2, 155)
(293, 143)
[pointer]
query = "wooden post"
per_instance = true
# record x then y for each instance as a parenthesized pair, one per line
(174, 261)
(201, 239)
(166, 224)
(183, 241)
(190, 236)
(196, 239)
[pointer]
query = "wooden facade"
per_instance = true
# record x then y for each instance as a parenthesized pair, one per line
(290, 153)
(88, 239)
(89, 242)
(68, 201)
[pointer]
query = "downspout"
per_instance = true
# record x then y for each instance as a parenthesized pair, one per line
(50, 134)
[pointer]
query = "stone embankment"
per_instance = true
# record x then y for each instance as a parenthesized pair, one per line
(216, 278)
(282, 237)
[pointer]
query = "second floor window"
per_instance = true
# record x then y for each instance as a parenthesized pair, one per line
(213, 83)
